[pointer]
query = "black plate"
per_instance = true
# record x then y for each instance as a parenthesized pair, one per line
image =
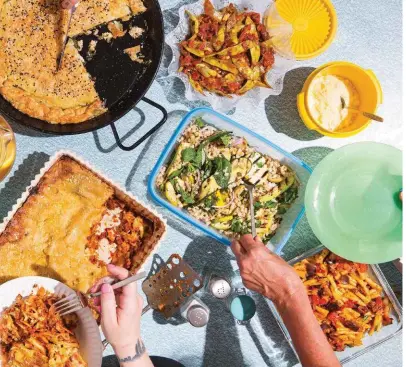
(119, 81)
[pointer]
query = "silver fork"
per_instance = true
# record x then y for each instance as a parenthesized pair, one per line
(78, 300)
(250, 187)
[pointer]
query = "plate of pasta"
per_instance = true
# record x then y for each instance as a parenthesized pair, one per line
(33, 334)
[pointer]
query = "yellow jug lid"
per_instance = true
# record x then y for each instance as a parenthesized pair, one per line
(301, 29)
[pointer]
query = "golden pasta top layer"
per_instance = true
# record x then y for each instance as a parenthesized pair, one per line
(30, 42)
(345, 300)
(33, 334)
(48, 234)
(51, 234)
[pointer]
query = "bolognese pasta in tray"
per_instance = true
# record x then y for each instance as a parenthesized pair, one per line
(347, 302)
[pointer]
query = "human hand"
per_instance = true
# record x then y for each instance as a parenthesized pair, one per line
(266, 273)
(120, 312)
(68, 4)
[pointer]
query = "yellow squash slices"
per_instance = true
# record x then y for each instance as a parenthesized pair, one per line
(228, 53)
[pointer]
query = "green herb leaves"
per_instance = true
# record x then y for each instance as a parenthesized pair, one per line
(190, 168)
(208, 168)
(208, 202)
(257, 205)
(196, 158)
(216, 137)
(186, 197)
(174, 174)
(268, 205)
(222, 172)
(188, 154)
(200, 122)
(225, 139)
(290, 195)
(199, 157)
(282, 209)
(237, 226)
(224, 136)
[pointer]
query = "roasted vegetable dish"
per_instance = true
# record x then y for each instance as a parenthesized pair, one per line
(206, 177)
(229, 52)
(345, 300)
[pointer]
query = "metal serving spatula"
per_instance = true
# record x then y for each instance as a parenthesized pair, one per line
(171, 286)
(70, 5)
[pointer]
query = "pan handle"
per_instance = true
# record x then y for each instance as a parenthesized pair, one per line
(148, 134)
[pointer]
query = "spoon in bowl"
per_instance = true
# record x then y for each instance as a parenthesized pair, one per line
(366, 114)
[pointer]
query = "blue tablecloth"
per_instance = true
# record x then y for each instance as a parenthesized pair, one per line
(369, 34)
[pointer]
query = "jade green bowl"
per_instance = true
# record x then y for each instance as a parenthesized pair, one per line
(352, 202)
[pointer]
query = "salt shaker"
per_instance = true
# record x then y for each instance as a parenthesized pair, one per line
(195, 312)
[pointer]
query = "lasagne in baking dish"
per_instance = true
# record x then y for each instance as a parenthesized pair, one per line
(72, 225)
(30, 40)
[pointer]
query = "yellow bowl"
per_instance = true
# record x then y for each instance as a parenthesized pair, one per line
(367, 85)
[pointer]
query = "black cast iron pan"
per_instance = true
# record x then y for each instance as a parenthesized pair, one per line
(119, 81)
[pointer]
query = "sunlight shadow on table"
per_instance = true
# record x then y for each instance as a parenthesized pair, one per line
(222, 345)
(282, 112)
(20, 180)
(137, 164)
(303, 238)
(125, 137)
(272, 344)
(26, 131)
(175, 92)
(161, 138)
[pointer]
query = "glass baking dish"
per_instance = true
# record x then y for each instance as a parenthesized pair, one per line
(303, 172)
(369, 342)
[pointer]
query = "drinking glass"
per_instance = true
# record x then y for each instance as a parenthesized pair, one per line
(7, 148)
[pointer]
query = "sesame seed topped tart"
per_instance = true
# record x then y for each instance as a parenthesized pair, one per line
(30, 41)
